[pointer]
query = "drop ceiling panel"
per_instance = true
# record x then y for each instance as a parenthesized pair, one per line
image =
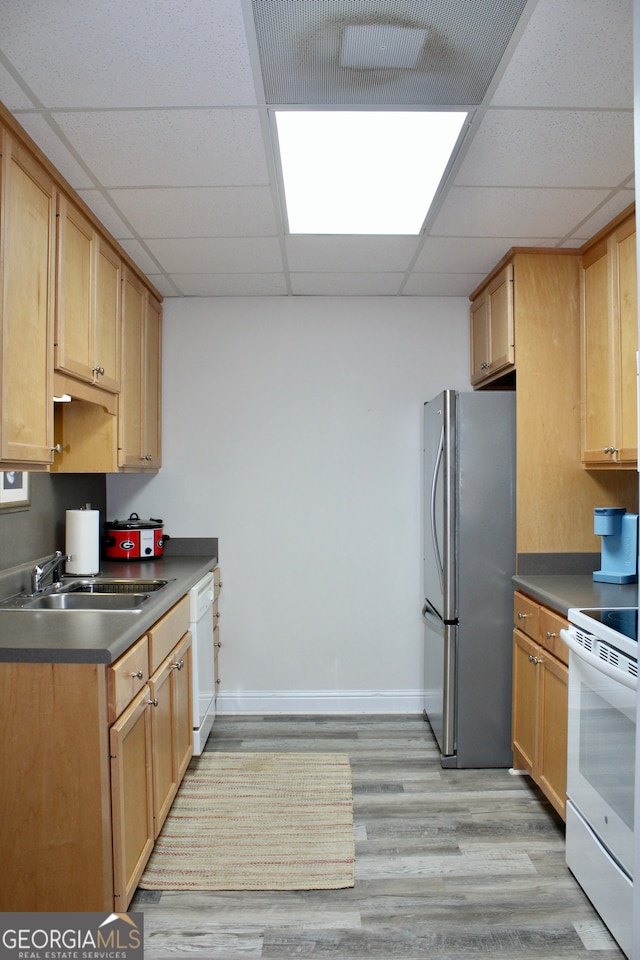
(138, 252)
(214, 255)
(346, 284)
(466, 255)
(199, 211)
(103, 208)
(47, 136)
(169, 147)
(546, 148)
(11, 92)
(573, 53)
(117, 54)
(510, 212)
(442, 284)
(342, 253)
(604, 214)
(231, 285)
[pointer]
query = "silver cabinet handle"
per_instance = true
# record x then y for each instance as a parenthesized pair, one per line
(57, 448)
(153, 703)
(138, 674)
(147, 456)
(178, 665)
(611, 450)
(216, 616)
(218, 644)
(523, 616)
(550, 635)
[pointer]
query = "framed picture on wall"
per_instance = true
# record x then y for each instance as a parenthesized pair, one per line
(14, 490)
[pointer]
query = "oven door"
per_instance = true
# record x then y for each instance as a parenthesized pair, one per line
(601, 753)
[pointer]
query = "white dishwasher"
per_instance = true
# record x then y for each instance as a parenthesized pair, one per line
(202, 660)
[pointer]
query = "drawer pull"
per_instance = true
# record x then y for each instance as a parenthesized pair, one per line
(179, 664)
(523, 616)
(153, 703)
(216, 616)
(218, 644)
(550, 635)
(137, 675)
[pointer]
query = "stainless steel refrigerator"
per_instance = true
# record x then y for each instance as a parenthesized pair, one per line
(469, 559)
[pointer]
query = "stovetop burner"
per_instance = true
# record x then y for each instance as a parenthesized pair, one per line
(623, 620)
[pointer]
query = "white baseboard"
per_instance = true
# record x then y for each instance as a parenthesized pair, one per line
(301, 702)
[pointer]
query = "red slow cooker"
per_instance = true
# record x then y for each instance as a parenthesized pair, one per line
(133, 539)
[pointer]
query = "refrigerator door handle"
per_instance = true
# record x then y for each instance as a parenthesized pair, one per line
(430, 614)
(432, 510)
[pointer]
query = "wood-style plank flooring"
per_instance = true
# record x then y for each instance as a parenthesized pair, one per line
(449, 864)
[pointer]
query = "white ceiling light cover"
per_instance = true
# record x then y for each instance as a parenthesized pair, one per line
(365, 172)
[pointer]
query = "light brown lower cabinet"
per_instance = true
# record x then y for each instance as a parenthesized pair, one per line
(89, 767)
(539, 720)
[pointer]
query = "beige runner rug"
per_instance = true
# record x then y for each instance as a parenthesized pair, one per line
(258, 821)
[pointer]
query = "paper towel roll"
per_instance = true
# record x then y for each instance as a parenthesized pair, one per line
(82, 542)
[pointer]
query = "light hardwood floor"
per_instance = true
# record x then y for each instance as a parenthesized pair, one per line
(449, 864)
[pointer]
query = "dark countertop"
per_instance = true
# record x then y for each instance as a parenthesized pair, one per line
(93, 636)
(560, 593)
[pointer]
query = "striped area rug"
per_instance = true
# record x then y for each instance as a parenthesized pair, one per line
(258, 821)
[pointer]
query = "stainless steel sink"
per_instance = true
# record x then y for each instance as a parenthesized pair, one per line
(88, 594)
(87, 601)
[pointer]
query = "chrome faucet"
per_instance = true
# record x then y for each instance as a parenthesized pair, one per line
(46, 565)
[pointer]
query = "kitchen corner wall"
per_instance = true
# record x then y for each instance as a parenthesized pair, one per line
(292, 431)
(26, 535)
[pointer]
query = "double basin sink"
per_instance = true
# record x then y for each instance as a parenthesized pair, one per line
(88, 594)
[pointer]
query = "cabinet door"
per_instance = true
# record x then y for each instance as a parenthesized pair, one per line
(492, 329)
(106, 350)
(551, 761)
(27, 226)
(479, 338)
(130, 409)
(525, 701)
(627, 300)
(165, 781)
(598, 373)
(501, 325)
(171, 727)
(140, 426)
(151, 359)
(74, 291)
(183, 714)
(131, 797)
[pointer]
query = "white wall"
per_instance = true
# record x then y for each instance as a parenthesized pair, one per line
(292, 431)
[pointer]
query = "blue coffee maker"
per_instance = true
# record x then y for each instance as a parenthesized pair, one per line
(619, 556)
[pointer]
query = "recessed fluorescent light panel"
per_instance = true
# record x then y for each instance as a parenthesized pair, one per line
(363, 172)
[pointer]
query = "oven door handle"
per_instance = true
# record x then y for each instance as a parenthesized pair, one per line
(600, 665)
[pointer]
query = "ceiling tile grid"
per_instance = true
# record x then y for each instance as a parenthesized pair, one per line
(159, 114)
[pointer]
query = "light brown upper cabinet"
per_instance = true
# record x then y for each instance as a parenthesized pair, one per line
(139, 408)
(492, 329)
(27, 225)
(609, 345)
(87, 301)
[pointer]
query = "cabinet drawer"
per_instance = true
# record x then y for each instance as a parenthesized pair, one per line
(164, 634)
(550, 626)
(126, 677)
(525, 615)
